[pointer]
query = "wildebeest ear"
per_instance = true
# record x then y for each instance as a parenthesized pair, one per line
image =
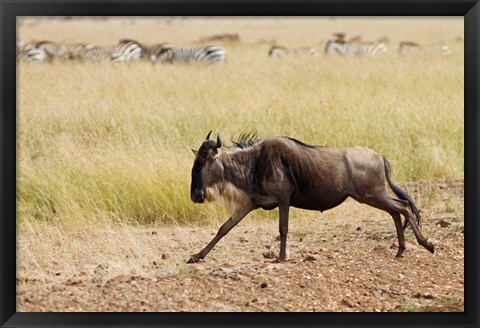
(195, 152)
(219, 142)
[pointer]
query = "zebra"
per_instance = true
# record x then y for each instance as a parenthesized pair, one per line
(30, 53)
(131, 49)
(55, 50)
(52, 49)
(102, 54)
(76, 50)
(280, 51)
(357, 49)
(202, 55)
(154, 50)
(407, 47)
(124, 51)
(148, 51)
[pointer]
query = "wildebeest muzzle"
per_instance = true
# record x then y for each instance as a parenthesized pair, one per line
(197, 196)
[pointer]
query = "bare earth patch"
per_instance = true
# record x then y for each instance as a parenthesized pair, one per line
(340, 260)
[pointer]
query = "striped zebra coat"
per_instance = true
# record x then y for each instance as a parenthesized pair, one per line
(56, 51)
(123, 52)
(355, 49)
(30, 53)
(279, 51)
(147, 51)
(203, 55)
(407, 47)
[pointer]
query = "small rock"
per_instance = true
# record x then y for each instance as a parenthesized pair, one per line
(228, 270)
(164, 256)
(167, 272)
(309, 258)
(269, 254)
(379, 248)
(347, 303)
(359, 229)
(243, 240)
(442, 223)
(263, 285)
(196, 267)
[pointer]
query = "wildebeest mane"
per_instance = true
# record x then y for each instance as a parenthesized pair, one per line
(246, 140)
(300, 143)
(249, 139)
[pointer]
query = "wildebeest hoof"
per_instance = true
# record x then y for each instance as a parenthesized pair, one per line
(192, 260)
(430, 247)
(399, 253)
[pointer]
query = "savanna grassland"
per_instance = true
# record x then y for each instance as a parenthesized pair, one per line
(104, 218)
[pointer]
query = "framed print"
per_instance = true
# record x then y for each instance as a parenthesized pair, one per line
(222, 163)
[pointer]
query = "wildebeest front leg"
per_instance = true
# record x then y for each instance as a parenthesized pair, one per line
(283, 227)
(224, 229)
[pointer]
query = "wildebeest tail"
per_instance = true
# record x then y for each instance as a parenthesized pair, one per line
(401, 194)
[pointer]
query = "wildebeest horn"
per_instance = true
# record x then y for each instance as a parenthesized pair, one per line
(219, 142)
(208, 135)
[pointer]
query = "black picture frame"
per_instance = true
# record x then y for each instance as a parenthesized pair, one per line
(11, 9)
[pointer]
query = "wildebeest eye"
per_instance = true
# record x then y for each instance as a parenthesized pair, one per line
(203, 155)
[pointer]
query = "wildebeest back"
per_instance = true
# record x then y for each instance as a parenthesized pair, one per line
(314, 172)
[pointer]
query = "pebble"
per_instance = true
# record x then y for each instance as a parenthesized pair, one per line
(269, 254)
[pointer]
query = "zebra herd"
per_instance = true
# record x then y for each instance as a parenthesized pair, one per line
(124, 51)
(127, 50)
(280, 51)
(414, 48)
(357, 48)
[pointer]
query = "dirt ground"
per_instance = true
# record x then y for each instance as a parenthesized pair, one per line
(340, 260)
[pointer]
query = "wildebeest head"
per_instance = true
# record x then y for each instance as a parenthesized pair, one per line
(207, 168)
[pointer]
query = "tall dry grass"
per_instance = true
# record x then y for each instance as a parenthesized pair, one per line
(112, 142)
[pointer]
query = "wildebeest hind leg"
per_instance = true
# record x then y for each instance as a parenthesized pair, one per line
(392, 205)
(420, 238)
(401, 237)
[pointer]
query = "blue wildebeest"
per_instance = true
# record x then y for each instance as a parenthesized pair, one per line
(283, 172)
